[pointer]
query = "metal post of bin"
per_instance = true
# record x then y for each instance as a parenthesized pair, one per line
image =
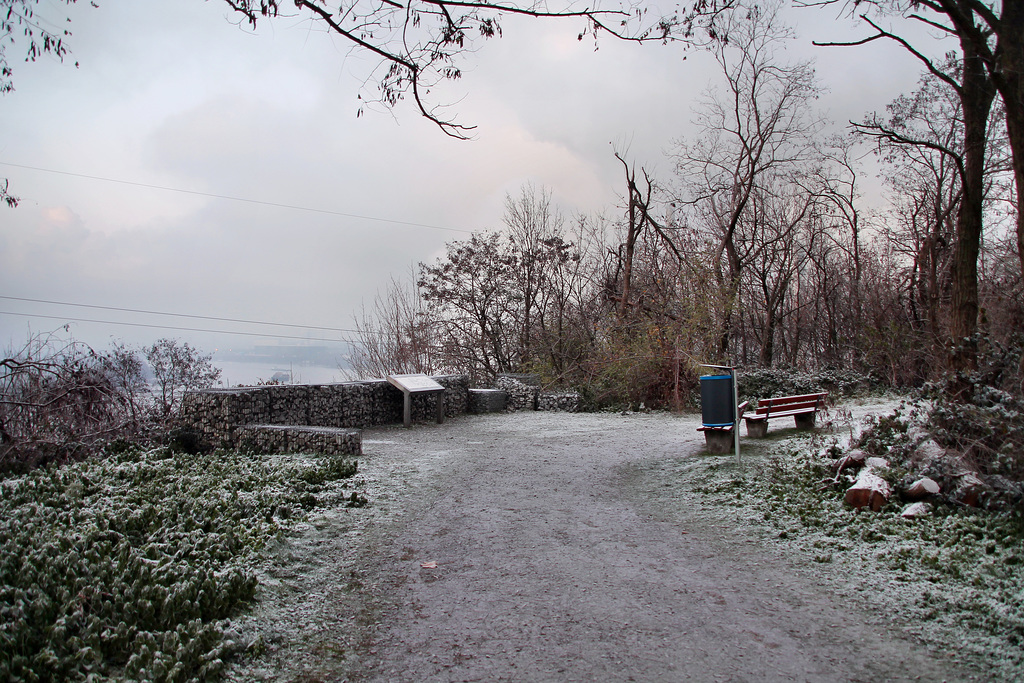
(735, 404)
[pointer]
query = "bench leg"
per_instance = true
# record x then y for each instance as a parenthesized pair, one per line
(805, 421)
(757, 429)
(718, 440)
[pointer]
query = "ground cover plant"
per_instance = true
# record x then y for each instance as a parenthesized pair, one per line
(132, 565)
(953, 579)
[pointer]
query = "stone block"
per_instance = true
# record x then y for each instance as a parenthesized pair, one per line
(487, 401)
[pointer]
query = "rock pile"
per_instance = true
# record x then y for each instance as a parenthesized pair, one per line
(933, 474)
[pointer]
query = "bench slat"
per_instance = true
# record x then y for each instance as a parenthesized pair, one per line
(791, 399)
(773, 410)
(781, 413)
(787, 406)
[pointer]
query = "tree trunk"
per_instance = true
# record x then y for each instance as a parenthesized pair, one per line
(1009, 80)
(869, 490)
(976, 93)
(734, 281)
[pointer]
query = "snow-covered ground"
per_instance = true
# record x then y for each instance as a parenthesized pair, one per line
(548, 546)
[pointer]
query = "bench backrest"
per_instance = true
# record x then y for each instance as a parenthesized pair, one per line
(807, 402)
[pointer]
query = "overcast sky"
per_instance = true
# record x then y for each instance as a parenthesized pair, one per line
(176, 95)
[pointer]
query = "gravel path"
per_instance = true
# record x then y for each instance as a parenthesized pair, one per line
(555, 561)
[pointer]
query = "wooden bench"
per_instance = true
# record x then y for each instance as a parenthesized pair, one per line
(719, 439)
(802, 408)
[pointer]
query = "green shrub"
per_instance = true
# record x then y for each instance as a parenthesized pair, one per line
(130, 566)
(988, 430)
(184, 440)
(882, 433)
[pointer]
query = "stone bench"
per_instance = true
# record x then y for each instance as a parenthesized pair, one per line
(487, 401)
(302, 439)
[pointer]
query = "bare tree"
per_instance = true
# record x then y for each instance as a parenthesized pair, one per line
(763, 127)
(474, 309)
(178, 368)
(56, 402)
(125, 369)
(494, 299)
(568, 311)
(419, 42)
(396, 335)
(640, 224)
(941, 194)
(785, 235)
(534, 228)
(921, 143)
(21, 26)
(991, 38)
(991, 61)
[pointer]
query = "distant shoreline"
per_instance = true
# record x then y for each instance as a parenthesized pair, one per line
(242, 373)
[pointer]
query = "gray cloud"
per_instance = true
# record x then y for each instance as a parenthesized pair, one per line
(173, 94)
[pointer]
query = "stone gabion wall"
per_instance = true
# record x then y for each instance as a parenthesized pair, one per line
(293, 439)
(522, 391)
(220, 415)
(568, 402)
(217, 414)
(456, 394)
(381, 404)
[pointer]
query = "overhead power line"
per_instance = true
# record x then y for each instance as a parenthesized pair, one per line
(294, 207)
(167, 327)
(177, 315)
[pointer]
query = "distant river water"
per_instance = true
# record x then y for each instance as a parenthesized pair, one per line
(236, 373)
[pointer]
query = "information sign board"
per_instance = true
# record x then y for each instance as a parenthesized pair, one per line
(417, 384)
(414, 383)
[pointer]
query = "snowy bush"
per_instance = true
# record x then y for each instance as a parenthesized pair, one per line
(57, 400)
(758, 383)
(981, 414)
(989, 430)
(130, 566)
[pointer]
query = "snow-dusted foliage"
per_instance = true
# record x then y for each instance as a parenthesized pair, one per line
(988, 430)
(757, 383)
(130, 566)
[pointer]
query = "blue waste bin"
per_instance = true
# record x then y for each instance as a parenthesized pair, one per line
(716, 401)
